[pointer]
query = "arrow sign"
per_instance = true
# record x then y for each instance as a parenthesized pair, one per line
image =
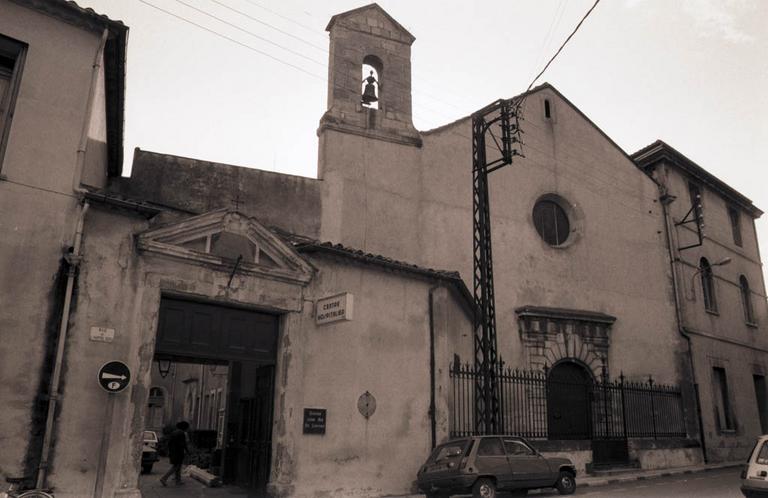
(114, 376)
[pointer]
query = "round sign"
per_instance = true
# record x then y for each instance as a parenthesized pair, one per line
(366, 404)
(114, 376)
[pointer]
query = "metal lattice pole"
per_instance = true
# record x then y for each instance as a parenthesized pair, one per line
(501, 114)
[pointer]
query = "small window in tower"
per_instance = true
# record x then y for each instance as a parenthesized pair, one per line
(371, 84)
(547, 110)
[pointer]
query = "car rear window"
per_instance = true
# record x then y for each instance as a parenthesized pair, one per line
(451, 449)
(149, 436)
(762, 457)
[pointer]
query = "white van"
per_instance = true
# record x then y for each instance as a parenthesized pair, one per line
(754, 477)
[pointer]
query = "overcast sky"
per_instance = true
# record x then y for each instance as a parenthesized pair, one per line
(692, 73)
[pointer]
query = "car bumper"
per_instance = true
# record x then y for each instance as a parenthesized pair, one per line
(752, 488)
(149, 458)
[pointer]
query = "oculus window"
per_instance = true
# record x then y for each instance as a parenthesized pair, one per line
(551, 221)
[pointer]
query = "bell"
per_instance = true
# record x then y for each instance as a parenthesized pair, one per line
(369, 94)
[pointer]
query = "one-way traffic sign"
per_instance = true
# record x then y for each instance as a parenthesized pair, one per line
(114, 376)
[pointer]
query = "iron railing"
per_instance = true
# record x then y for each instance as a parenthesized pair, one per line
(537, 407)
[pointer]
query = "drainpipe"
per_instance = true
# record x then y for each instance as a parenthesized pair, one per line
(82, 146)
(665, 200)
(73, 259)
(432, 382)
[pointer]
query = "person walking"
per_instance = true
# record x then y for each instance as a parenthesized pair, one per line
(177, 448)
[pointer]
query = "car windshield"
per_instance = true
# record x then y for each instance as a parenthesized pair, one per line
(451, 449)
(150, 436)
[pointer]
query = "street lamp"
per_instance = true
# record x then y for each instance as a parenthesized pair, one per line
(722, 262)
(164, 366)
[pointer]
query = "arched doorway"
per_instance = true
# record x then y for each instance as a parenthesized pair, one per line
(568, 401)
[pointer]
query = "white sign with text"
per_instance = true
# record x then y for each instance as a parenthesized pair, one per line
(334, 308)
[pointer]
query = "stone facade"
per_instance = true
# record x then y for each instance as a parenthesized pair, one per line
(390, 204)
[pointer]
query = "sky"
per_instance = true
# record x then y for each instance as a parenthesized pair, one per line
(249, 88)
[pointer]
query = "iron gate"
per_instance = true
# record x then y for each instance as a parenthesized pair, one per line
(609, 411)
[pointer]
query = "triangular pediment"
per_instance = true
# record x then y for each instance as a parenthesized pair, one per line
(371, 16)
(227, 240)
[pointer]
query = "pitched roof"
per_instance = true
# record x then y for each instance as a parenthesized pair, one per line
(114, 66)
(359, 10)
(661, 151)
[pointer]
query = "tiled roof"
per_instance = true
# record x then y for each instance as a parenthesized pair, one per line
(306, 245)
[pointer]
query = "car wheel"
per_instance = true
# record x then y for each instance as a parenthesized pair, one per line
(147, 468)
(484, 488)
(566, 483)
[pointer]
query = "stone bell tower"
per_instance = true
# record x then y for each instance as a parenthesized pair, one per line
(369, 159)
(369, 36)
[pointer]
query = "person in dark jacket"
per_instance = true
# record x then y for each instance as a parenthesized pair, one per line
(177, 448)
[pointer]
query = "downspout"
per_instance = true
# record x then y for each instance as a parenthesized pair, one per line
(73, 259)
(432, 382)
(665, 200)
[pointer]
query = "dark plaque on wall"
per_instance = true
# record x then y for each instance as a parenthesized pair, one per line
(314, 420)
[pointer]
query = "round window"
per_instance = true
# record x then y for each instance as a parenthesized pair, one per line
(551, 222)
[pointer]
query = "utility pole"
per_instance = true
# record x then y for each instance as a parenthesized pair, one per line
(499, 121)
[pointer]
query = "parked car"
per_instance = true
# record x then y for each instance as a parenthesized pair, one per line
(149, 451)
(754, 476)
(483, 465)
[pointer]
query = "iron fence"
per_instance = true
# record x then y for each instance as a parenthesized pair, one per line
(536, 406)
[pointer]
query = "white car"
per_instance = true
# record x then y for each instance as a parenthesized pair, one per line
(149, 451)
(754, 477)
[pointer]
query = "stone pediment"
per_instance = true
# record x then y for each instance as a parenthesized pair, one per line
(372, 19)
(225, 240)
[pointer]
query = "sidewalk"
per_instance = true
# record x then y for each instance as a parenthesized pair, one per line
(584, 481)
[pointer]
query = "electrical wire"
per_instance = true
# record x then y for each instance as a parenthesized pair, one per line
(244, 45)
(525, 94)
(264, 23)
(201, 11)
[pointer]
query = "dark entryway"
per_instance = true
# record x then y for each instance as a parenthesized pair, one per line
(568, 401)
(244, 343)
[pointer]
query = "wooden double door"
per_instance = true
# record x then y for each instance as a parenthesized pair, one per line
(246, 341)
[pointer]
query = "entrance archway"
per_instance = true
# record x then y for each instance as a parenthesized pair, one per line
(569, 386)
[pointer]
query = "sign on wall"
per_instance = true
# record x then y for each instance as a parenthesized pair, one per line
(102, 334)
(314, 420)
(334, 308)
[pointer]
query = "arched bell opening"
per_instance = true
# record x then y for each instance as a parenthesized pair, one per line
(371, 84)
(569, 385)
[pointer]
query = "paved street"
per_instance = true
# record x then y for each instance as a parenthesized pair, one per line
(722, 483)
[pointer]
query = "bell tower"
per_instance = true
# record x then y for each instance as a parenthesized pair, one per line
(369, 37)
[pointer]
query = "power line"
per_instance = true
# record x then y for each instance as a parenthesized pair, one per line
(525, 94)
(308, 28)
(244, 45)
(256, 19)
(201, 11)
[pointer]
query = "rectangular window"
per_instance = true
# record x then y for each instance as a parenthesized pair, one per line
(733, 214)
(723, 412)
(11, 61)
(760, 396)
